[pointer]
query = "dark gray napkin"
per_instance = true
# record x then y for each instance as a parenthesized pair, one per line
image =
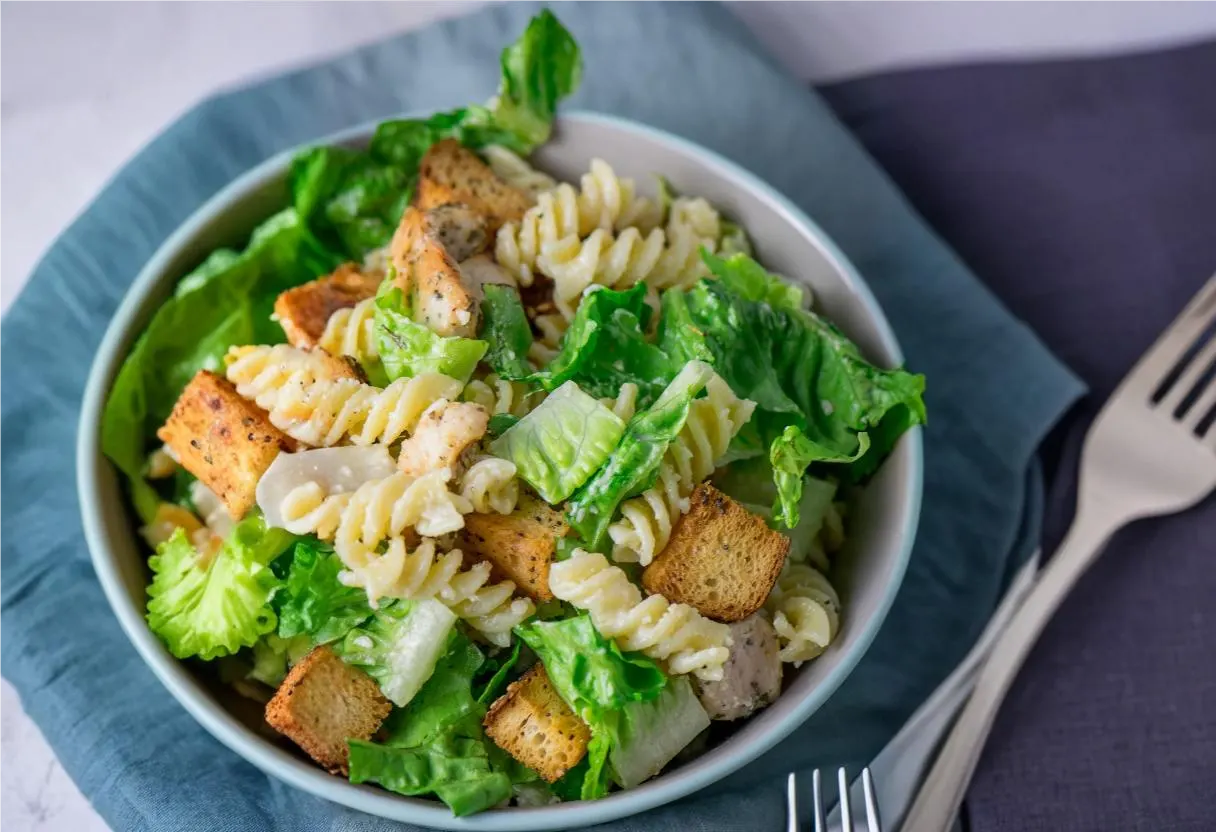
(1084, 194)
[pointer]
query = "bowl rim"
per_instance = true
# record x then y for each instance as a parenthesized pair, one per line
(277, 762)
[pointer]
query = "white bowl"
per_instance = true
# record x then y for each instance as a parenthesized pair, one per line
(867, 574)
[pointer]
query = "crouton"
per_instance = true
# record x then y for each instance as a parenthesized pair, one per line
(444, 431)
(721, 558)
(534, 725)
(305, 310)
(224, 440)
(324, 702)
(452, 173)
(426, 252)
(519, 546)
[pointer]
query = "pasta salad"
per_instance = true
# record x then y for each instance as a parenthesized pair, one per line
(490, 487)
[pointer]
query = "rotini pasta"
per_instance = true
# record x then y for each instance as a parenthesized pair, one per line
(647, 520)
(516, 171)
(490, 608)
(490, 485)
(352, 331)
(675, 634)
(552, 327)
(606, 201)
(308, 403)
(499, 396)
(552, 220)
(805, 612)
(359, 521)
(625, 403)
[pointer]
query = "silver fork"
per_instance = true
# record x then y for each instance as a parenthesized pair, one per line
(1150, 452)
(846, 813)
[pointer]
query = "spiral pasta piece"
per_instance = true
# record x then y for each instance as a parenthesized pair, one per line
(307, 402)
(517, 171)
(500, 396)
(606, 201)
(489, 485)
(352, 331)
(552, 327)
(805, 611)
(425, 573)
(553, 220)
(359, 521)
(626, 402)
(675, 634)
(647, 520)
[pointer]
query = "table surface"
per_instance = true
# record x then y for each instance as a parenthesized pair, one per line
(119, 73)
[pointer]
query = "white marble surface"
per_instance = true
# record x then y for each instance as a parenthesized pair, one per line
(118, 73)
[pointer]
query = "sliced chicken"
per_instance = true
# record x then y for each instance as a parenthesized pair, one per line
(444, 432)
(751, 677)
(426, 251)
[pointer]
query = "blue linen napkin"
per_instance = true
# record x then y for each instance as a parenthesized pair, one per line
(692, 69)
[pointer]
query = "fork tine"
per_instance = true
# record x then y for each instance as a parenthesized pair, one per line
(1201, 406)
(821, 824)
(873, 822)
(791, 803)
(1163, 356)
(846, 811)
(1190, 377)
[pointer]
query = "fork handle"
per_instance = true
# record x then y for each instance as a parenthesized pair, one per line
(938, 801)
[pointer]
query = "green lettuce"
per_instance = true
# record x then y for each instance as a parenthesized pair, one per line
(504, 326)
(353, 200)
(818, 400)
(559, 445)
(408, 348)
(273, 656)
(606, 346)
(436, 745)
(598, 682)
(645, 736)
(212, 604)
(312, 601)
(538, 70)
(400, 646)
(225, 302)
(634, 465)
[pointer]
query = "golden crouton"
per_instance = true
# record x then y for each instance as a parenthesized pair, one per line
(721, 559)
(519, 546)
(534, 725)
(305, 310)
(324, 702)
(224, 440)
(452, 173)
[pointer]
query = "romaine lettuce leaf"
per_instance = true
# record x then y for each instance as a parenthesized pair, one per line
(597, 681)
(312, 601)
(504, 326)
(400, 646)
(538, 70)
(408, 348)
(212, 604)
(803, 374)
(436, 743)
(634, 465)
(606, 346)
(353, 200)
(457, 771)
(645, 736)
(226, 301)
(273, 657)
(558, 445)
